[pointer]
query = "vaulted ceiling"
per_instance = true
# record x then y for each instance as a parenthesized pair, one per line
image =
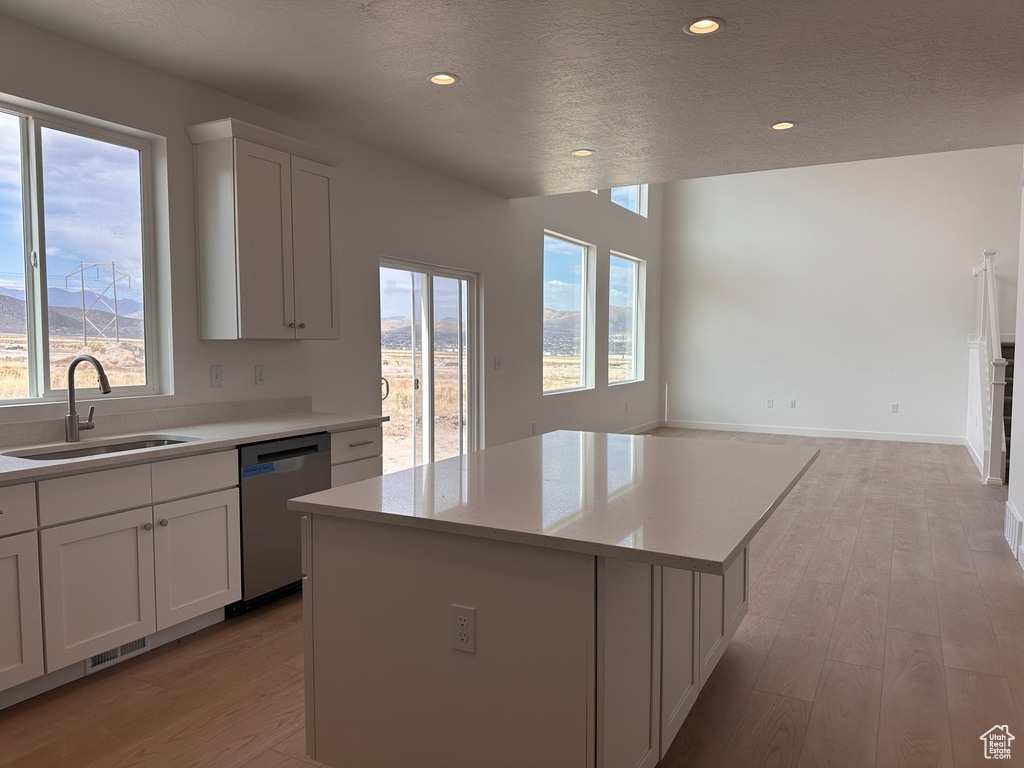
(539, 78)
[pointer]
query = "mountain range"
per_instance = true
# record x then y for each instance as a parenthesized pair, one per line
(559, 326)
(58, 297)
(66, 321)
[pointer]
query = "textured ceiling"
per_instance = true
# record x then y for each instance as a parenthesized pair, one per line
(863, 78)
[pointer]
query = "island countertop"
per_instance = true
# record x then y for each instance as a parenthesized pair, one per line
(682, 503)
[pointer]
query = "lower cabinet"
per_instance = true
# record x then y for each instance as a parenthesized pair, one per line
(198, 560)
(21, 631)
(680, 676)
(97, 585)
(343, 474)
(114, 579)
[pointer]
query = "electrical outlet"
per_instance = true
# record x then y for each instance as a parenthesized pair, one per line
(216, 376)
(792, 403)
(261, 375)
(497, 363)
(894, 408)
(771, 403)
(463, 628)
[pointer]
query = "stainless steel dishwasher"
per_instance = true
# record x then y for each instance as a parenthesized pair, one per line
(272, 472)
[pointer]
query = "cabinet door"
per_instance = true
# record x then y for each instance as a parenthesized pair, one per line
(680, 676)
(198, 566)
(263, 213)
(315, 316)
(21, 625)
(97, 585)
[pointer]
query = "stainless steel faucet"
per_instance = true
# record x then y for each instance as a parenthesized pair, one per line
(72, 424)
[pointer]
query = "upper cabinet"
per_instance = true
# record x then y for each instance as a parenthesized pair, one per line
(264, 234)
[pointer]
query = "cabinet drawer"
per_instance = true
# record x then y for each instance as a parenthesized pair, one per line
(343, 474)
(178, 478)
(355, 444)
(65, 499)
(17, 508)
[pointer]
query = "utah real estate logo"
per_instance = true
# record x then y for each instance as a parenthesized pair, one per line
(997, 742)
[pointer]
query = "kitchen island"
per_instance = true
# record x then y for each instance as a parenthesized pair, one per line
(555, 601)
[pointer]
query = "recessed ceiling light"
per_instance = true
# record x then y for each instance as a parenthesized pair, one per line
(785, 125)
(704, 25)
(443, 78)
(582, 152)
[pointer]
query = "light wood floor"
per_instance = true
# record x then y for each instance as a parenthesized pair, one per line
(886, 627)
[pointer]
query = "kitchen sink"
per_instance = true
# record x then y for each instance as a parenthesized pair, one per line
(78, 450)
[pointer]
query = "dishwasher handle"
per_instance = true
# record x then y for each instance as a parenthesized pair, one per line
(270, 456)
(295, 448)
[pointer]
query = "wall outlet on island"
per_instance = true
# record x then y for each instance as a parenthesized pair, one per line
(792, 403)
(463, 628)
(261, 375)
(894, 408)
(216, 376)
(771, 403)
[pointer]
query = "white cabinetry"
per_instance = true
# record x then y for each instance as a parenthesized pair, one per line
(264, 222)
(198, 564)
(21, 630)
(97, 585)
(120, 576)
(356, 455)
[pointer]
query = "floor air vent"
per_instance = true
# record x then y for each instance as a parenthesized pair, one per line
(114, 655)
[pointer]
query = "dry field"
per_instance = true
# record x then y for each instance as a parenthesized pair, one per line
(564, 372)
(396, 367)
(124, 363)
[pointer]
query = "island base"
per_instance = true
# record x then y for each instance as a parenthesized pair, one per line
(579, 660)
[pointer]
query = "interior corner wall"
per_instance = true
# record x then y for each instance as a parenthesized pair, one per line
(844, 287)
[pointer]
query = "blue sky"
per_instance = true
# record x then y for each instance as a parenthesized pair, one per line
(563, 268)
(563, 274)
(92, 206)
(396, 288)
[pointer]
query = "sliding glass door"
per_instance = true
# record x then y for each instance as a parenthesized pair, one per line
(427, 332)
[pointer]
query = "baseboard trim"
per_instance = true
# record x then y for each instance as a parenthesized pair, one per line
(978, 460)
(644, 427)
(813, 432)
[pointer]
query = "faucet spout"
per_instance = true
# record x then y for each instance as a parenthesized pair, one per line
(73, 425)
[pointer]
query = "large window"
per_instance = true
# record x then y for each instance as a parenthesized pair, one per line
(625, 315)
(73, 254)
(566, 321)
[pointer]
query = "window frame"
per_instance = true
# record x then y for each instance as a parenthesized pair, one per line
(641, 199)
(639, 316)
(588, 301)
(32, 121)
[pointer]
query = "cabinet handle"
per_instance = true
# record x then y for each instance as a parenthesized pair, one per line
(148, 526)
(302, 325)
(360, 445)
(164, 523)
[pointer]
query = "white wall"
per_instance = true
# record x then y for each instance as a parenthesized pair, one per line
(847, 287)
(383, 207)
(1015, 472)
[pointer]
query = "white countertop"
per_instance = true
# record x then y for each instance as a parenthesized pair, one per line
(203, 438)
(682, 503)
